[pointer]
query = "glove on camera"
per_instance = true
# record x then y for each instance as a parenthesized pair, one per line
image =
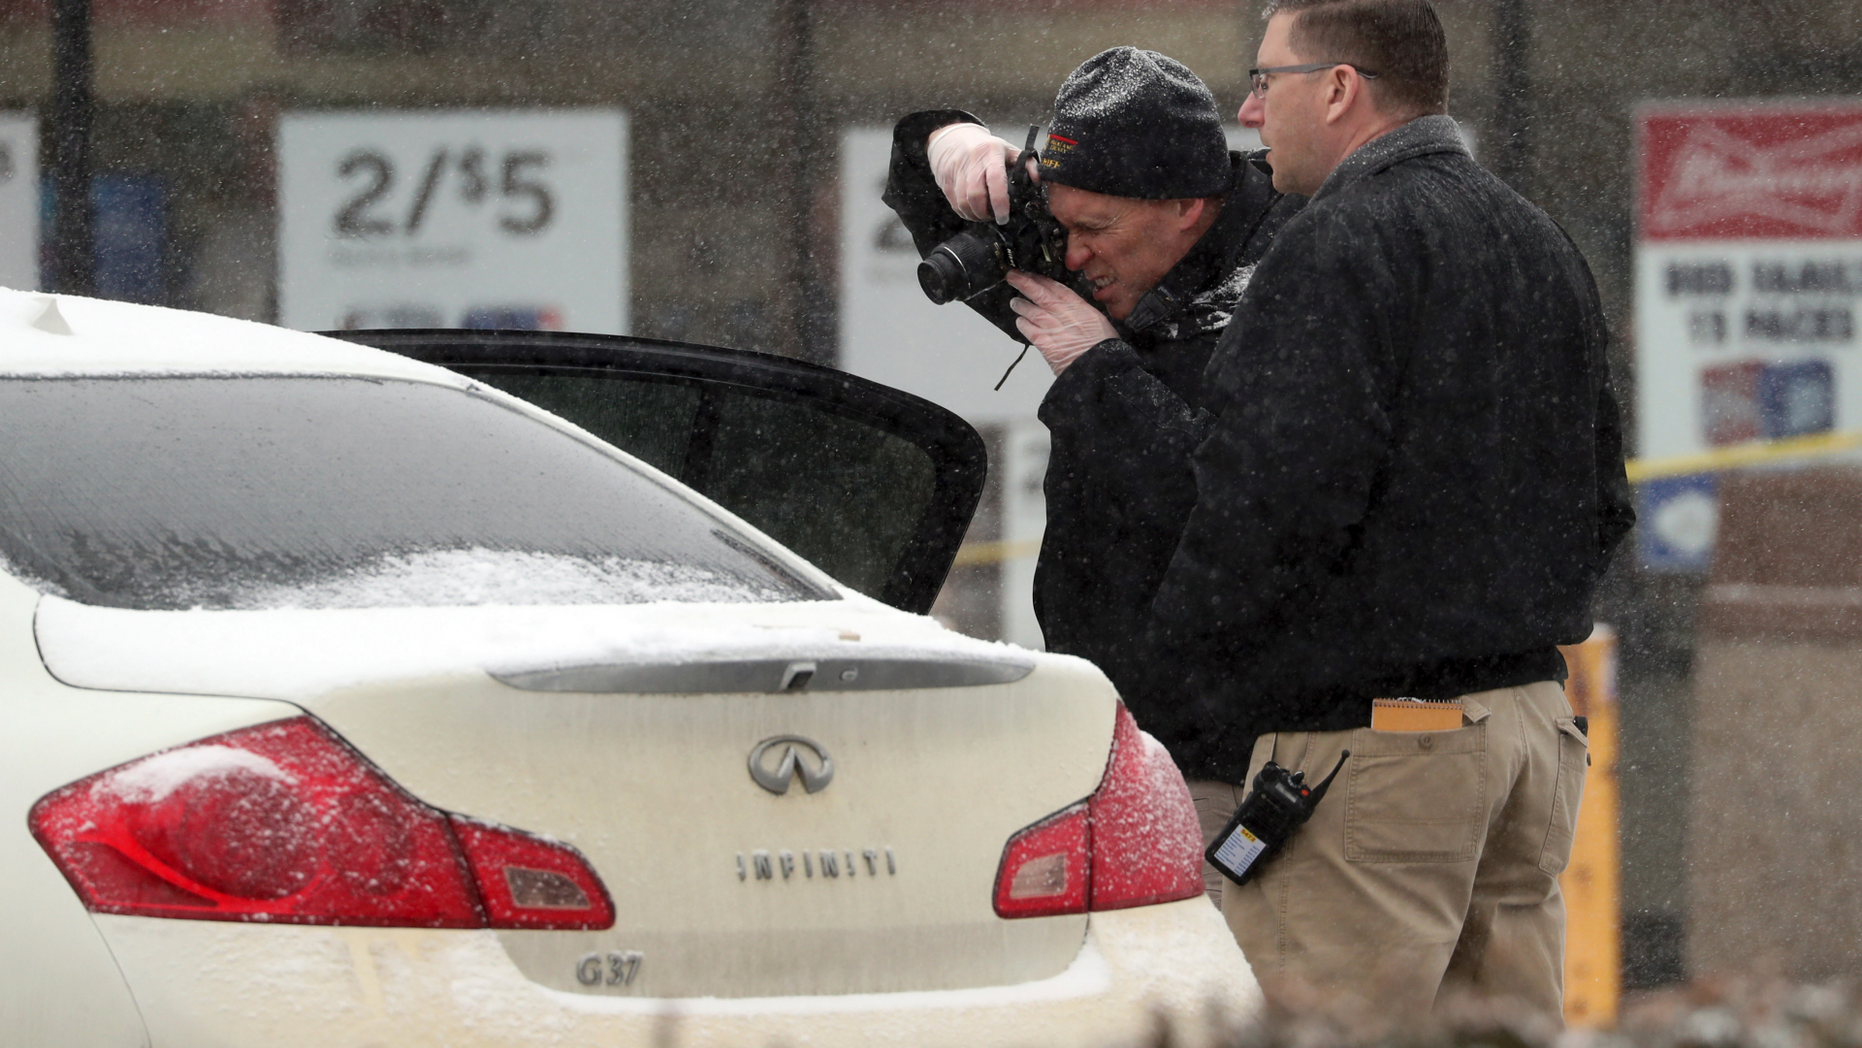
(971, 167)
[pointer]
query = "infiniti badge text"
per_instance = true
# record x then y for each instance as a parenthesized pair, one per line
(766, 865)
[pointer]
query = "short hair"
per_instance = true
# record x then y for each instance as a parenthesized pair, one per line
(1400, 40)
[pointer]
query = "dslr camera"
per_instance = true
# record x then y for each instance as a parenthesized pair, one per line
(978, 258)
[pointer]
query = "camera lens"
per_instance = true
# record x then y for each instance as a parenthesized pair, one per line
(961, 266)
(940, 275)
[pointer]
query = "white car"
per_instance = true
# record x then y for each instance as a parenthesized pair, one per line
(352, 701)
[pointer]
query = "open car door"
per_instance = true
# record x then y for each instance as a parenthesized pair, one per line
(873, 485)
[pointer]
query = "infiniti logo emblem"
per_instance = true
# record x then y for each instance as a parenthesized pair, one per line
(777, 761)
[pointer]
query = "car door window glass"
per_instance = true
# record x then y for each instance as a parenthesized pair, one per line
(845, 495)
(652, 420)
(842, 494)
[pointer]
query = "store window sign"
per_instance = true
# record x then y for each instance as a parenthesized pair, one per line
(458, 219)
(1677, 520)
(19, 201)
(130, 230)
(1749, 279)
(129, 236)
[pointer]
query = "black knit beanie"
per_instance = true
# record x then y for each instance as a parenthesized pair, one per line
(1134, 123)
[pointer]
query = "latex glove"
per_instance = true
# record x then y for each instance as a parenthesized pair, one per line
(972, 168)
(1058, 322)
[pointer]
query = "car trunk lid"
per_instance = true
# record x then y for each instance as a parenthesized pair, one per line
(794, 799)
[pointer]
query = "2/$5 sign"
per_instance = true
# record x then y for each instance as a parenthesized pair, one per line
(454, 219)
(464, 172)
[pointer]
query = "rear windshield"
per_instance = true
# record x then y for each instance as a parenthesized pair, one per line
(263, 492)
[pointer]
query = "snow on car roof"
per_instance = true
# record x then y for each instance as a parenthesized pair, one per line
(44, 334)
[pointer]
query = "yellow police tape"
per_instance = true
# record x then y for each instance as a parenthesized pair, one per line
(994, 552)
(1736, 455)
(1731, 457)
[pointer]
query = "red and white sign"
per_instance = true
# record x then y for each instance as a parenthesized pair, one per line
(1748, 273)
(1773, 171)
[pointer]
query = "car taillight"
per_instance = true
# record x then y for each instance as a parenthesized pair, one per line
(1134, 842)
(528, 882)
(1043, 869)
(284, 822)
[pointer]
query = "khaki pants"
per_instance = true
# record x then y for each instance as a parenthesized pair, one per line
(1430, 868)
(1215, 804)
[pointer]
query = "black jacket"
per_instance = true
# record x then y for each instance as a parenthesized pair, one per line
(1410, 476)
(1118, 484)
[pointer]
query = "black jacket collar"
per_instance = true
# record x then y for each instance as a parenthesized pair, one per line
(1419, 137)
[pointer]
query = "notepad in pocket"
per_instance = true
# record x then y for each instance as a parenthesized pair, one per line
(1415, 715)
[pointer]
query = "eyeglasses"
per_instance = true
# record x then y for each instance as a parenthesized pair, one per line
(1257, 78)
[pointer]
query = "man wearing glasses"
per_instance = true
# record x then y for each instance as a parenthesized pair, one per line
(1409, 479)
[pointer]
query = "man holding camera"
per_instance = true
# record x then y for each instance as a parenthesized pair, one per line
(1409, 480)
(1163, 225)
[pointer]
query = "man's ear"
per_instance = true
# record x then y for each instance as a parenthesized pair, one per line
(1189, 211)
(1344, 91)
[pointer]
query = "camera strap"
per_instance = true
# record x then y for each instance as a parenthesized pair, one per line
(1017, 360)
